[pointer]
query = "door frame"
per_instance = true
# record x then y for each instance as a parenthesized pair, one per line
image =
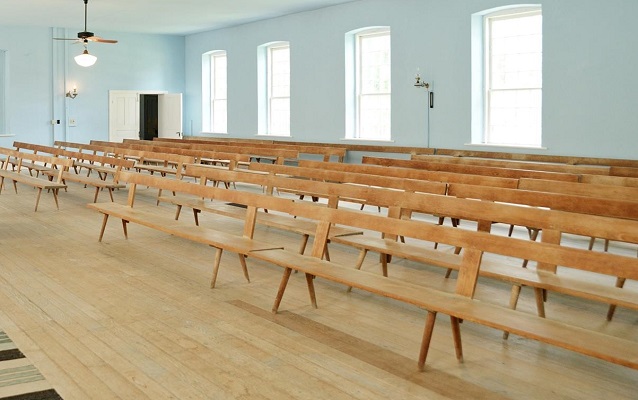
(113, 110)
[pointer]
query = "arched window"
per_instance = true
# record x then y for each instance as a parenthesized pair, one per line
(368, 84)
(214, 92)
(274, 89)
(507, 76)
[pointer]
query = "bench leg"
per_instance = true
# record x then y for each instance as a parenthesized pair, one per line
(456, 334)
(514, 296)
(244, 267)
(124, 228)
(281, 290)
(196, 216)
(178, 211)
(326, 253)
(218, 258)
(540, 301)
(304, 243)
(311, 290)
(359, 264)
(104, 220)
(110, 194)
(427, 337)
(97, 192)
(37, 199)
(385, 258)
(620, 282)
(55, 197)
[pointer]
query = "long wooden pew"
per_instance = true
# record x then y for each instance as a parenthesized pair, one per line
(18, 159)
(411, 173)
(277, 155)
(528, 165)
(472, 169)
(114, 165)
(328, 153)
(459, 305)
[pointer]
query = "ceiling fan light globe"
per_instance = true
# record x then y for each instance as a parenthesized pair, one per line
(85, 59)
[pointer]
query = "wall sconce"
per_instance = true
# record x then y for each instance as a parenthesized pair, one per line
(420, 83)
(72, 94)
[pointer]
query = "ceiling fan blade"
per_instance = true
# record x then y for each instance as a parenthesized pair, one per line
(100, 40)
(58, 38)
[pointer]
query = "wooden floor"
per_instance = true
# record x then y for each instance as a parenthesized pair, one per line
(136, 319)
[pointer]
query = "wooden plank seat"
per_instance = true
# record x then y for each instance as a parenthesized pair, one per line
(91, 161)
(543, 279)
(154, 218)
(556, 201)
(459, 305)
(303, 227)
(53, 185)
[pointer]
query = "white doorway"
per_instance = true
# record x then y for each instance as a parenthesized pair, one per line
(124, 114)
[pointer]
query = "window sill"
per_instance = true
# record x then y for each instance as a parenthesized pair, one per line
(213, 133)
(265, 135)
(368, 140)
(7, 135)
(508, 146)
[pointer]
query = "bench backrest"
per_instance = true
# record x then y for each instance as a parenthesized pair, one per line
(18, 157)
(580, 189)
(76, 155)
(411, 173)
(410, 185)
(471, 169)
(326, 151)
(529, 165)
(474, 243)
(279, 154)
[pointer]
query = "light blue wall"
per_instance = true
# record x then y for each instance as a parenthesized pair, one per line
(590, 64)
(41, 70)
(590, 77)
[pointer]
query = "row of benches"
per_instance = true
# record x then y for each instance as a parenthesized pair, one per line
(549, 252)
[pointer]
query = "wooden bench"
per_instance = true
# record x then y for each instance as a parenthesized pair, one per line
(472, 169)
(302, 227)
(528, 165)
(114, 165)
(564, 202)
(460, 305)
(411, 173)
(53, 185)
(277, 156)
(326, 152)
(323, 175)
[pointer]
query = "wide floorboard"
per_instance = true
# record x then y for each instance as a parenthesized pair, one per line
(136, 319)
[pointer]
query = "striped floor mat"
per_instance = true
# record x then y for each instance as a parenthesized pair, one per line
(19, 380)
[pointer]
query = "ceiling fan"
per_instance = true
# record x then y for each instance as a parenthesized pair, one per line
(85, 59)
(86, 36)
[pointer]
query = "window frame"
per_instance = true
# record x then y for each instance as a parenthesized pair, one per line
(270, 89)
(213, 99)
(208, 91)
(484, 89)
(355, 75)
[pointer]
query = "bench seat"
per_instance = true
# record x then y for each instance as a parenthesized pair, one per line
(599, 345)
(300, 226)
(516, 275)
(154, 218)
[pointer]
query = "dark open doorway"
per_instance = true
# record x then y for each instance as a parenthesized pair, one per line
(148, 116)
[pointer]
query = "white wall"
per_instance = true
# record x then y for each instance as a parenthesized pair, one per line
(589, 72)
(41, 70)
